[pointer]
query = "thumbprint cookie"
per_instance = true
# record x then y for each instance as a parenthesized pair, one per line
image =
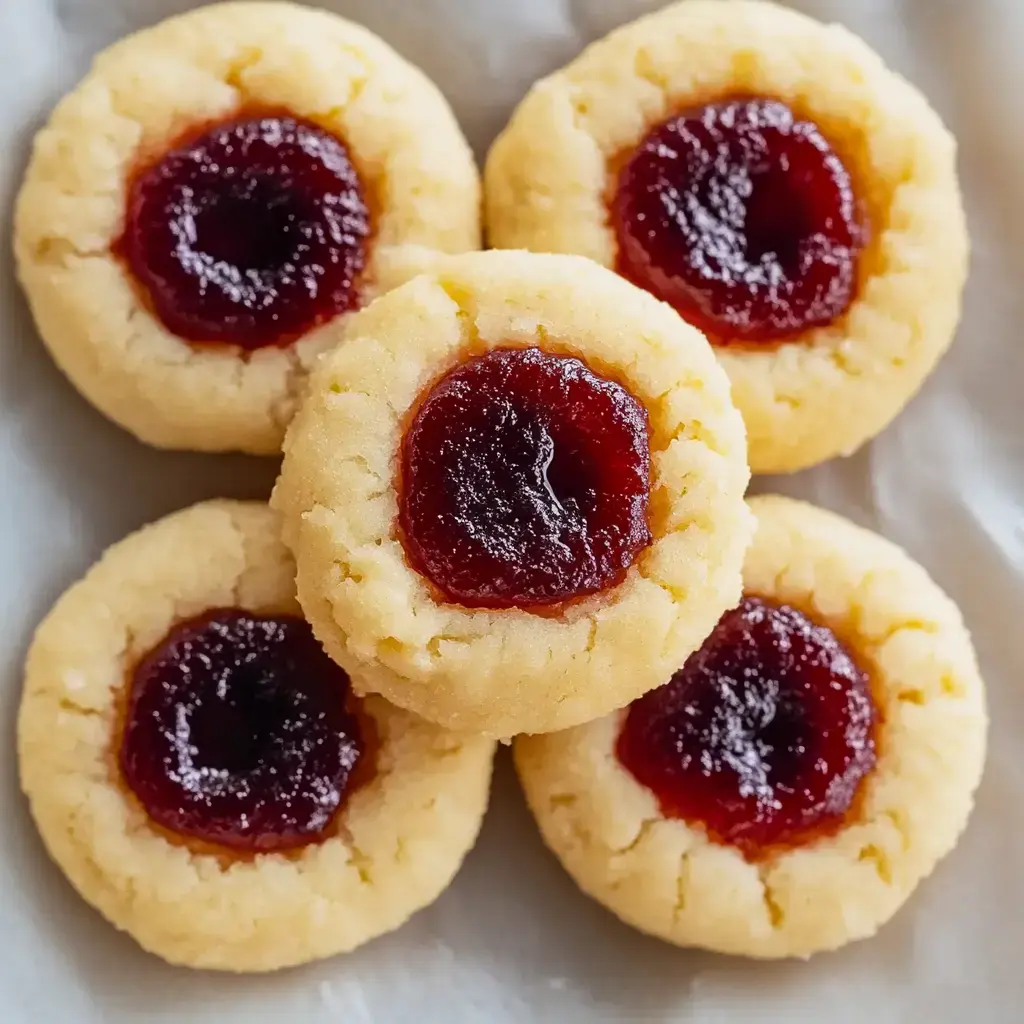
(770, 179)
(215, 190)
(202, 772)
(511, 469)
(788, 787)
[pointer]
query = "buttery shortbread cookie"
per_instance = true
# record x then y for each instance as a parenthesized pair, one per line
(510, 470)
(788, 788)
(199, 770)
(772, 180)
(215, 190)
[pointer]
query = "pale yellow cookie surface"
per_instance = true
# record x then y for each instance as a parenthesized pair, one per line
(833, 388)
(402, 835)
(138, 97)
(667, 878)
(505, 671)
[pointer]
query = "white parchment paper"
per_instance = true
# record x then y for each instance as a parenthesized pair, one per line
(512, 940)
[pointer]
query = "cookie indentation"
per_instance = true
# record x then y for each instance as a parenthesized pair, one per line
(525, 481)
(237, 732)
(249, 233)
(763, 736)
(741, 216)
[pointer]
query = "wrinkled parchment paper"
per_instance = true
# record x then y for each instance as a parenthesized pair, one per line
(512, 940)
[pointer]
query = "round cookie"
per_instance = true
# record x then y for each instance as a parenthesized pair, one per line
(400, 182)
(503, 670)
(669, 878)
(554, 178)
(392, 848)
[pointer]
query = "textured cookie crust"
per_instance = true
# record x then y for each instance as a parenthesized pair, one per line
(401, 837)
(825, 394)
(666, 878)
(508, 671)
(140, 94)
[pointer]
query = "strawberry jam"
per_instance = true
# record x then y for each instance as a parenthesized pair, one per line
(762, 737)
(741, 216)
(237, 732)
(525, 480)
(248, 233)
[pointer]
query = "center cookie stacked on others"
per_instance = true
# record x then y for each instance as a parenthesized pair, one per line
(515, 494)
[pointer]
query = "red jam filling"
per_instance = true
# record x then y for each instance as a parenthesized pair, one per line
(525, 481)
(248, 233)
(741, 216)
(763, 736)
(237, 732)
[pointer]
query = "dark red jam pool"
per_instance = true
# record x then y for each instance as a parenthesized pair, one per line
(237, 732)
(741, 216)
(763, 736)
(525, 481)
(248, 233)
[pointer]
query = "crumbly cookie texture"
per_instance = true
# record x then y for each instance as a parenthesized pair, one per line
(827, 392)
(500, 672)
(402, 836)
(666, 878)
(140, 94)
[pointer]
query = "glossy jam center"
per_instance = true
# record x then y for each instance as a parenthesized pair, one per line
(763, 736)
(237, 732)
(525, 480)
(741, 216)
(249, 233)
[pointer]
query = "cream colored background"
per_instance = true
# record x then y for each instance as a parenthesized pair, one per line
(512, 940)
